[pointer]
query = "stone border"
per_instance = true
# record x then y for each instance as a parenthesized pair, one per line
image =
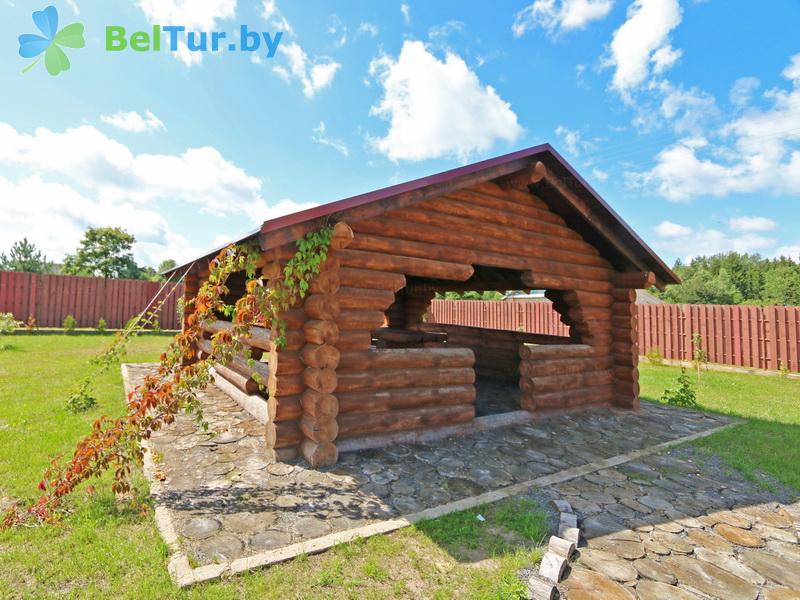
(184, 575)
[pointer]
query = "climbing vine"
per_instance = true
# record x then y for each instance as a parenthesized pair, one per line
(116, 443)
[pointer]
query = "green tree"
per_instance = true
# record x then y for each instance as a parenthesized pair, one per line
(103, 251)
(782, 285)
(24, 256)
(166, 265)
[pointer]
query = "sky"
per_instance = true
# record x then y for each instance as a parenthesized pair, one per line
(683, 114)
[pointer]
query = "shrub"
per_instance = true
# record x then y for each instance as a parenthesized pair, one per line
(8, 323)
(654, 356)
(699, 356)
(683, 394)
(80, 400)
(69, 323)
(156, 325)
(101, 324)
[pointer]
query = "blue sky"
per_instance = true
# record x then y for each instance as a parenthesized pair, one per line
(683, 114)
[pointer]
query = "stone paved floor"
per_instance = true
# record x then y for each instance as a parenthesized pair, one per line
(680, 525)
(227, 502)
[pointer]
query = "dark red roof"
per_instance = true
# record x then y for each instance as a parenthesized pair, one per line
(603, 224)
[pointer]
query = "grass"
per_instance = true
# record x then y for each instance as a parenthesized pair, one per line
(106, 549)
(770, 440)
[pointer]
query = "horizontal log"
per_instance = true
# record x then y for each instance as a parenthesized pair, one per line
(354, 318)
(321, 306)
(258, 337)
(565, 366)
(626, 401)
(508, 204)
(321, 380)
(624, 321)
(410, 248)
(273, 269)
(356, 424)
(289, 385)
(319, 454)
(294, 318)
(319, 405)
(240, 382)
(319, 429)
(624, 309)
(406, 336)
(571, 381)
(624, 348)
(321, 332)
(629, 359)
(407, 397)
(405, 358)
(537, 352)
(351, 381)
(586, 299)
(287, 362)
(626, 387)
(354, 340)
(320, 356)
(420, 267)
(327, 282)
(365, 298)
(288, 408)
(637, 280)
(625, 373)
(371, 279)
(624, 334)
(256, 406)
(251, 369)
(283, 434)
(555, 282)
(567, 398)
(623, 295)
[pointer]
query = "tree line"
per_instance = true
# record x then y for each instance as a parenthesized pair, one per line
(103, 252)
(733, 278)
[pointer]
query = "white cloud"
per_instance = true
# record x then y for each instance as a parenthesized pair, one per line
(742, 89)
(437, 108)
(74, 6)
(81, 178)
(792, 251)
(320, 138)
(572, 140)
(689, 243)
(133, 121)
(198, 16)
(599, 174)
(557, 16)
(406, 10)
(84, 155)
(338, 30)
(442, 31)
(792, 71)
(669, 229)
(758, 151)
(752, 224)
(314, 75)
(368, 28)
(688, 111)
(29, 202)
(642, 43)
(268, 9)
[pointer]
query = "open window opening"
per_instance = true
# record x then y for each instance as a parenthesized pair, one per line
(495, 344)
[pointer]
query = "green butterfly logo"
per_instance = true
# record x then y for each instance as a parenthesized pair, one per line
(32, 45)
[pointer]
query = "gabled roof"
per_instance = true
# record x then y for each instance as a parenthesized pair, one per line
(550, 176)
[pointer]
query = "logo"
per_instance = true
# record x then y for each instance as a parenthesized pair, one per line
(178, 39)
(50, 42)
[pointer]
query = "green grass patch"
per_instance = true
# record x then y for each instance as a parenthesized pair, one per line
(770, 440)
(104, 549)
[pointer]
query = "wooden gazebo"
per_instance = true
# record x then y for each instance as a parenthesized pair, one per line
(363, 368)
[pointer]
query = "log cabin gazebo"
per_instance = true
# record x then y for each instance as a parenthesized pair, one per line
(362, 367)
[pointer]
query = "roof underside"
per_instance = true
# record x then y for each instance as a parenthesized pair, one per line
(563, 189)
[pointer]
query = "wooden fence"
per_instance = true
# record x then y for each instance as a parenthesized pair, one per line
(762, 337)
(50, 298)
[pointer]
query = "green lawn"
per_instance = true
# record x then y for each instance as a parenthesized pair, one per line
(106, 550)
(770, 440)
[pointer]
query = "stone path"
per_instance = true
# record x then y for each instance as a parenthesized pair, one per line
(226, 502)
(679, 525)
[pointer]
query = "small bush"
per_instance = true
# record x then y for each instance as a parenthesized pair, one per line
(8, 323)
(69, 323)
(80, 400)
(156, 325)
(101, 325)
(683, 394)
(654, 356)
